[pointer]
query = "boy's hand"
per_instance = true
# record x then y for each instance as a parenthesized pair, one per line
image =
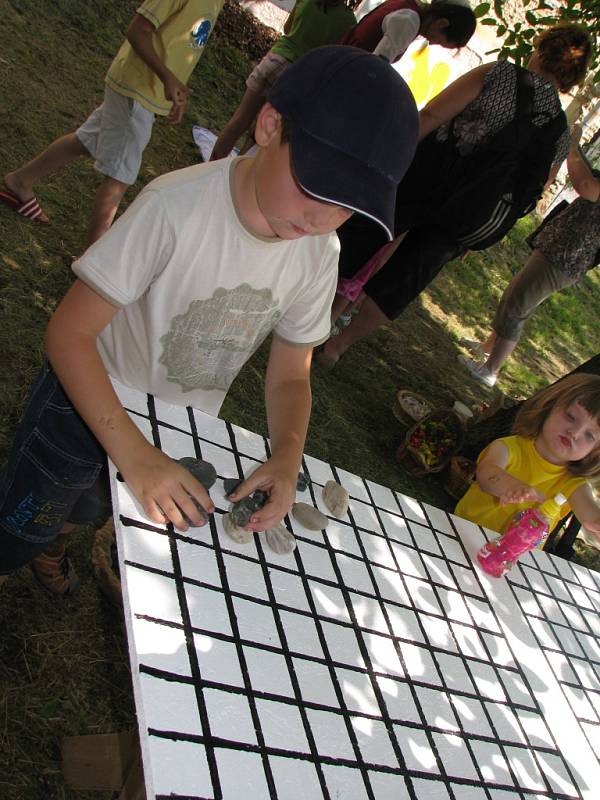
(165, 488)
(520, 493)
(178, 93)
(278, 479)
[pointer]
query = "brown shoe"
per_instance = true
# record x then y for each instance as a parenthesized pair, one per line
(56, 573)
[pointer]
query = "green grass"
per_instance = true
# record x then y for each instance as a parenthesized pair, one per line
(64, 667)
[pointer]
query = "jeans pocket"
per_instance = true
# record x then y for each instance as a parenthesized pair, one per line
(64, 470)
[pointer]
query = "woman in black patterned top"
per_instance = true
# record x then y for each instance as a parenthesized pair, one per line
(431, 227)
(564, 249)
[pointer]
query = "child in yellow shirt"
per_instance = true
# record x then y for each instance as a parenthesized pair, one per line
(147, 77)
(555, 447)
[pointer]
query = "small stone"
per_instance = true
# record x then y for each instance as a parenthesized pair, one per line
(203, 471)
(335, 498)
(238, 535)
(309, 516)
(231, 484)
(280, 540)
(244, 508)
(206, 474)
(302, 482)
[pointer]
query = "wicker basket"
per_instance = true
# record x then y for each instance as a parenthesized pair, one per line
(412, 460)
(402, 411)
(460, 476)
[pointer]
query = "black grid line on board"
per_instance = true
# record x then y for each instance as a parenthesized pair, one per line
(561, 603)
(331, 622)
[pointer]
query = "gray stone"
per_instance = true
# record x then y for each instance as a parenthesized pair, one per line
(309, 516)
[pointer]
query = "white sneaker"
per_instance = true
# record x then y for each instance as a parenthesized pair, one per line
(472, 346)
(479, 371)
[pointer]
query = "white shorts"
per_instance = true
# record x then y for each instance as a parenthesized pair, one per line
(115, 135)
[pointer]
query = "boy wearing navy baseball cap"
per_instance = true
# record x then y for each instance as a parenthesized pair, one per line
(180, 292)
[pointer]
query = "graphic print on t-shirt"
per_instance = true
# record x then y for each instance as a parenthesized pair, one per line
(207, 346)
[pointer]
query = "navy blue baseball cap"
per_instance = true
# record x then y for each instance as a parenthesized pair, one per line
(353, 128)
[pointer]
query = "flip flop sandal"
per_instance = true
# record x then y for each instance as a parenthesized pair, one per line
(30, 209)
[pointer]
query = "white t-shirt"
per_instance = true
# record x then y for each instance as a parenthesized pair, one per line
(197, 292)
(400, 28)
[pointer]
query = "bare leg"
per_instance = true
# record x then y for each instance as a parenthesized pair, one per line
(366, 321)
(107, 200)
(62, 151)
(238, 124)
(500, 352)
(489, 343)
(3, 579)
(340, 304)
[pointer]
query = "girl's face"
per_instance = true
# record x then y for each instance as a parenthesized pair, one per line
(569, 433)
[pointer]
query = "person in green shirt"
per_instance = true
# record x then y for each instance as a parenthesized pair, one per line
(312, 23)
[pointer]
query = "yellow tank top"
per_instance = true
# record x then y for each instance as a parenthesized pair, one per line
(524, 463)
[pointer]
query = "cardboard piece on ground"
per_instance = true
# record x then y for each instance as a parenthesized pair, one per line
(103, 761)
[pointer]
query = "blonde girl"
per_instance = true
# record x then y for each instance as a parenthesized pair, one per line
(555, 447)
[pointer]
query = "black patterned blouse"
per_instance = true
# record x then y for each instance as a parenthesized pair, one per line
(496, 106)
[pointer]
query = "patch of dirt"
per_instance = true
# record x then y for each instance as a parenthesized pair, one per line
(241, 29)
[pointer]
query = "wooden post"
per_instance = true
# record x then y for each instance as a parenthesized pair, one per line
(103, 762)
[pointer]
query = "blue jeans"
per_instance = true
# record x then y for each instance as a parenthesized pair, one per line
(56, 473)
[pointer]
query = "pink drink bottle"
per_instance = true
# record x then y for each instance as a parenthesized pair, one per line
(525, 531)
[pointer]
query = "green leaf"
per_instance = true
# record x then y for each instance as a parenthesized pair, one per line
(501, 30)
(498, 9)
(481, 9)
(529, 34)
(489, 21)
(531, 18)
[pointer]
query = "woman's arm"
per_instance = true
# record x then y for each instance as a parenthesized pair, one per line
(452, 100)
(584, 182)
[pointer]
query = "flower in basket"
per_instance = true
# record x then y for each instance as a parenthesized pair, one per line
(432, 441)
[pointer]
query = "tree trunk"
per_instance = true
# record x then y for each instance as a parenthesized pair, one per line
(500, 423)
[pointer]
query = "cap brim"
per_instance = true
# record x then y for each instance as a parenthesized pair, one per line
(327, 174)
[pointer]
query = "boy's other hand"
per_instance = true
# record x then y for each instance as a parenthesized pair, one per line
(165, 489)
(276, 478)
(178, 93)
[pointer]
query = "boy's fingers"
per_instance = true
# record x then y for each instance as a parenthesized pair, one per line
(198, 492)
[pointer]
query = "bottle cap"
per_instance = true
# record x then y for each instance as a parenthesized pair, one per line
(552, 504)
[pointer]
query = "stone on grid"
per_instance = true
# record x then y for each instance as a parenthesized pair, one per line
(335, 498)
(309, 516)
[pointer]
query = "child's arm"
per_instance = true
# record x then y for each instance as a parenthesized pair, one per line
(288, 404)
(493, 478)
(160, 484)
(287, 27)
(586, 508)
(452, 100)
(582, 178)
(139, 36)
